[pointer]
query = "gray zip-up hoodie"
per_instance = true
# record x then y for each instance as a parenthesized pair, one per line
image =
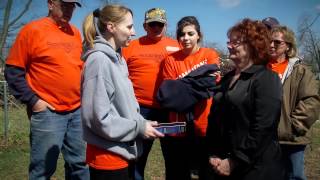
(110, 111)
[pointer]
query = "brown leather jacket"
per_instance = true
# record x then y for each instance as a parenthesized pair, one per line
(301, 104)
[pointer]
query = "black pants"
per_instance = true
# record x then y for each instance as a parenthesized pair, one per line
(154, 115)
(121, 174)
(183, 155)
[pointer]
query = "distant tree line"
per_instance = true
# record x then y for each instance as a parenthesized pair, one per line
(309, 41)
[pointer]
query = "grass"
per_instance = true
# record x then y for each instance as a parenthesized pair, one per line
(312, 158)
(14, 153)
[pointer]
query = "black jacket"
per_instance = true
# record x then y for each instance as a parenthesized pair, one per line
(182, 94)
(243, 124)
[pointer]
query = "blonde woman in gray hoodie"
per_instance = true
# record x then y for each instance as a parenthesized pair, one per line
(113, 126)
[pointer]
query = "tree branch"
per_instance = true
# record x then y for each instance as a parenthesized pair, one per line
(5, 27)
(26, 8)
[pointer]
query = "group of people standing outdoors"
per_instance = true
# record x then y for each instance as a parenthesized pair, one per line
(99, 102)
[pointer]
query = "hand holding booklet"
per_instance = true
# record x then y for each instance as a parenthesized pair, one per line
(171, 128)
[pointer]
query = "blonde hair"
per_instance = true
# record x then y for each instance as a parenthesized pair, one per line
(95, 23)
(289, 38)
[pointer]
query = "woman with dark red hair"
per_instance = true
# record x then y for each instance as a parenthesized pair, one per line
(242, 130)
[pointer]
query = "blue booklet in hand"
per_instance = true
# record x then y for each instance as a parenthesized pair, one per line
(171, 128)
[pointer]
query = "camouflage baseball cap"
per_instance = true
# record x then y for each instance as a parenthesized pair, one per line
(155, 15)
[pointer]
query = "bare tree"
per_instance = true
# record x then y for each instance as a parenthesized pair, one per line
(213, 45)
(309, 40)
(226, 64)
(9, 23)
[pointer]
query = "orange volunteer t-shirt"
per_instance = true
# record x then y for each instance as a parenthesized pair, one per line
(99, 158)
(52, 62)
(278, 67)
(177, 66)
(144, 58)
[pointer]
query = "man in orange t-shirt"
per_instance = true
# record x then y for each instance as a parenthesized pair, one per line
(144, 57)
(43, 71)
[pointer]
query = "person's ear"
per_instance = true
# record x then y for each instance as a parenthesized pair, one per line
(50, 5)
(145, 26)
(110, 27)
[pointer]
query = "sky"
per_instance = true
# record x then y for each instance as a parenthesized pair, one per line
(215, 16)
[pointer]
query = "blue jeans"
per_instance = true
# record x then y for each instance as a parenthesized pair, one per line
(154, 115)
(50, 133)
(294, 157)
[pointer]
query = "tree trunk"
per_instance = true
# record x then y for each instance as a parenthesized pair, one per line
(5, 29)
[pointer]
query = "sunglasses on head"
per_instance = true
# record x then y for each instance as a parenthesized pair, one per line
(154, 24)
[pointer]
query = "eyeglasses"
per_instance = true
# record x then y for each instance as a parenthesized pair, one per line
(234, 44)
(277, 42)
(154, 24)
